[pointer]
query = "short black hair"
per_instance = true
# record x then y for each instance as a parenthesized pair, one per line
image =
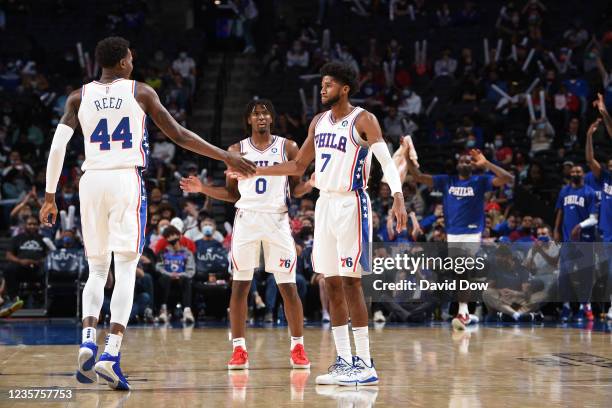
(111, 50)
(343, 73)
(249, 109)
(169, 231)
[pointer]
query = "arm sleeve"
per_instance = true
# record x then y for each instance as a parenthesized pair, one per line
(62, 136)
(387, 164)
(589, 222)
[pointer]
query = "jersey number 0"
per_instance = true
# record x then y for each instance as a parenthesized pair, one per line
(120, 134)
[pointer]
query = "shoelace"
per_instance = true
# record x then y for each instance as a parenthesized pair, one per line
(338, 367)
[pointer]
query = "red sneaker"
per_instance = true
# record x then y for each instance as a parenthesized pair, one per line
(589, 315)
(240, 359)
(460, 321)
(299, 359)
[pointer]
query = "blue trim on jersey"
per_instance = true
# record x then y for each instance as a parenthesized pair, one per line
(142, 212)
(145, 143)
(364, 220)
(134, 89)
(358, 175)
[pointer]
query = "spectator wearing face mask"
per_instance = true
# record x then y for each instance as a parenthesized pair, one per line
(162, 242)
(176, 267)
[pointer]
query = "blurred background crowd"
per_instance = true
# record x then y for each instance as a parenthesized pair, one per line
(515, 79)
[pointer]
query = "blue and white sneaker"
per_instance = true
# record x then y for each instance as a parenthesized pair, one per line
(108, 368)
(85, 364)
(359, 374)
(566, 313)
(334, 370)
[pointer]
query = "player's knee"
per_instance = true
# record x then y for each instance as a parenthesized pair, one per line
(351, 284)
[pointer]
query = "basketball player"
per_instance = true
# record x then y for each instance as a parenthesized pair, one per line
(575, 221)
(261, 220)
(603, 175)
(341, 141)
(463, 202)
(112, 114)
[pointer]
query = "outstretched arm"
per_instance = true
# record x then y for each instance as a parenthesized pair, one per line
(368, 127)
(298, 187)
(227, 193)
(603, 111)
(63, 133)
(185, 138)
(590, 155)
(298, 165)
(501, 176)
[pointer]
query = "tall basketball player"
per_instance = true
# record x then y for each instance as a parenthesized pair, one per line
(112, 113)
(341, 141)
(261, 220)
(463, 198)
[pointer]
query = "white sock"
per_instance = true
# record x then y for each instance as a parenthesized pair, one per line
(296, 340)
(566, 304)
(89, 335)
(240, 341)
(516, 316)
(343, 342)
(362, 343)
(463, 309)
(113, 344)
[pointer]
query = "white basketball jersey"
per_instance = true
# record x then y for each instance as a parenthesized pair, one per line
(264, 193)
(113, 125)
(342, 158)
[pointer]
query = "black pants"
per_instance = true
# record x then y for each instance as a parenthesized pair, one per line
(165, 282)
(15, 274)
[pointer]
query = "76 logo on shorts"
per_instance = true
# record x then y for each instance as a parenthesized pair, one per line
(285, 263)
(347, 262)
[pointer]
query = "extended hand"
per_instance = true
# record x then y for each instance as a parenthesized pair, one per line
(236, 161)
(191, 184)
(576, 232)
(478, 158)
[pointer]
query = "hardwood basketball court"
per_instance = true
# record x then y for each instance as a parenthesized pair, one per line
(421, 366)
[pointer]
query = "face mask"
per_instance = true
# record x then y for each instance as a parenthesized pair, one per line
(576, 179)
(464, 171)
(471, 143)
(544, 238)
(207, 230)
(499, 143)
(173, 241)
(306, 231)
(80, 162)
(68, 196)
(67, 241)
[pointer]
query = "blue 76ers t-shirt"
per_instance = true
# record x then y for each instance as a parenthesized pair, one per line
(605, 207)
(463, 202)
(175, 261)
(577, 205)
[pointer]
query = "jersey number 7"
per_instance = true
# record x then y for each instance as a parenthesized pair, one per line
(120, 134)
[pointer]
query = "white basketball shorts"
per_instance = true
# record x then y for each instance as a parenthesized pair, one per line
(113, 211)
(254, 230)
(342, 234)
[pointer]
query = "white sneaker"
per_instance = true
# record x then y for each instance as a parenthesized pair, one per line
(474, 319)
(163, 315)
(609, 315)
(379, 317)
(359, 374)
(335, 370)
(188, 316)
(325, 318)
